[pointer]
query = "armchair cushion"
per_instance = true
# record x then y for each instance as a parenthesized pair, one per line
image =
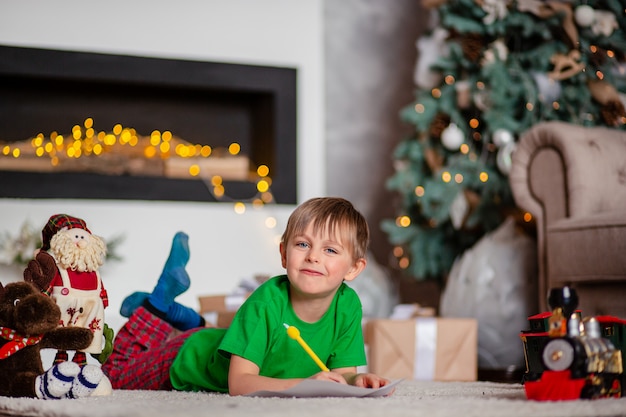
(590, 236)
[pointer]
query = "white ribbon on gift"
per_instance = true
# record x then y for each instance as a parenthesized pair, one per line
(232, 302)
(425, 348)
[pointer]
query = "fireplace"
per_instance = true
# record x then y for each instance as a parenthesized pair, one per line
(206, 103)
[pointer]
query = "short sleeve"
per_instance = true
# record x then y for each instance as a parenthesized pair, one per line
(349, 349)
(248, 335)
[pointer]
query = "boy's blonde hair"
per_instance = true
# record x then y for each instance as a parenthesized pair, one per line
(334, 215)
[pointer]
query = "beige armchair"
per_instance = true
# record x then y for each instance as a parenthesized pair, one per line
(572, 179)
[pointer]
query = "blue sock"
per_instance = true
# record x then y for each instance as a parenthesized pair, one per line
(174, 279)
(182, 317)
(171, 284)
(132, 302)
(179, 253)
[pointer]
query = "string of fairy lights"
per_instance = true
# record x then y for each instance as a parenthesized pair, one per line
(85, 142)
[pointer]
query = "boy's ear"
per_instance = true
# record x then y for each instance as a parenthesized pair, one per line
(356, 269)
(283, 255)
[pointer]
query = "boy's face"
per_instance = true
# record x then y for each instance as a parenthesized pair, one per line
(317, 263)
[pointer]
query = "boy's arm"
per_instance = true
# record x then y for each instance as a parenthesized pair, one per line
(244, 378)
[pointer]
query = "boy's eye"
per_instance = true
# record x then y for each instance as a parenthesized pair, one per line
(301, 244)
(331, 250)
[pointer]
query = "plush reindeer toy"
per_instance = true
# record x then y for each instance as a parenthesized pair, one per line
(29, 322)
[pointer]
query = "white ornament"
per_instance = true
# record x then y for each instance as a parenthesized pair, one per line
(584, 15)
(502, 137)
(495, 9)
(482, 100)
(504, 158)
(497, 51)
(430, 49)
(459, 209)
(452, 137)
(604, 23)
(549, 89)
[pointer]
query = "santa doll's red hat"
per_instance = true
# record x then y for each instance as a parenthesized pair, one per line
(57, 222)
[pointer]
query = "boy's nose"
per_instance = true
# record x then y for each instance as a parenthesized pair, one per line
(312, 256)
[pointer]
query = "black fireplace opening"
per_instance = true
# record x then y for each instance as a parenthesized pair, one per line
(206, 103)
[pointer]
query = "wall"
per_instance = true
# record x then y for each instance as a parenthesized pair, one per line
(370, 56)
(225, 246)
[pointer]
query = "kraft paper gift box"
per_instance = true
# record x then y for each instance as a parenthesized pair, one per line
(423, 348)
(219, 303)
(219, 310)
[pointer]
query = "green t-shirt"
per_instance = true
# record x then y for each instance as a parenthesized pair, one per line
(257, 333)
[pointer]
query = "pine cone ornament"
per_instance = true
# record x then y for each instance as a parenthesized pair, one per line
(613, 113)
(472, 45)
(439, 123)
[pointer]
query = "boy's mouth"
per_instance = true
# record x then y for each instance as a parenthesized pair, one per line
(310, 272)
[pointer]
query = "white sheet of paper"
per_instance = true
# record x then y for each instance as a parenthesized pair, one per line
(315, 388)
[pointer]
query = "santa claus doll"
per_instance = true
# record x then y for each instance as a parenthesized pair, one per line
(75, 282)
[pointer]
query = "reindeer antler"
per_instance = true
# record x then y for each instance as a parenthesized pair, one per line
(41, 271)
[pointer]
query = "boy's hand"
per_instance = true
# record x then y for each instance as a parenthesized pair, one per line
(329, 376)
(369, 381)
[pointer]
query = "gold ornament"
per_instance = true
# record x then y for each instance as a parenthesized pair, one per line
(566, 66)
(463, 94)
(434, 160)
(612, 109)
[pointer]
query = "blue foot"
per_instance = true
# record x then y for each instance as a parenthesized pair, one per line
(132, 302)
(179, 253)
(172, 283)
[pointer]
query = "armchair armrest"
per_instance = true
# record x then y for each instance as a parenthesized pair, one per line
(564, 170)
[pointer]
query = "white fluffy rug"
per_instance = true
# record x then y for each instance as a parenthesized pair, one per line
(412, 398)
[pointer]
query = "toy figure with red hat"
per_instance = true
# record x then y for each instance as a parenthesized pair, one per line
(67, 264)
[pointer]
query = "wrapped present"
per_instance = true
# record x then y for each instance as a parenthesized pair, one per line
(423, 348)
(220, 319)
(219, 310)
(410, 311)
(221, 303)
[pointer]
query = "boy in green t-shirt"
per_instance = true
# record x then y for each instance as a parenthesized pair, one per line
(165, 345)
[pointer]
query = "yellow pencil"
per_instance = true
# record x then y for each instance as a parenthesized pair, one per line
(294, 333)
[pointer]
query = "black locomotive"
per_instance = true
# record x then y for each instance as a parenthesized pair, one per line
(569, 357)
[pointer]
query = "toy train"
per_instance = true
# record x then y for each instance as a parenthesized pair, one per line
(570, 357)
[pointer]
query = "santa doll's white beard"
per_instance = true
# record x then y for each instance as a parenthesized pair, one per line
(69, 255)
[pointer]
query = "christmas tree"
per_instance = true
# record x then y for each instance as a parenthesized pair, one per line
(487, 71)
